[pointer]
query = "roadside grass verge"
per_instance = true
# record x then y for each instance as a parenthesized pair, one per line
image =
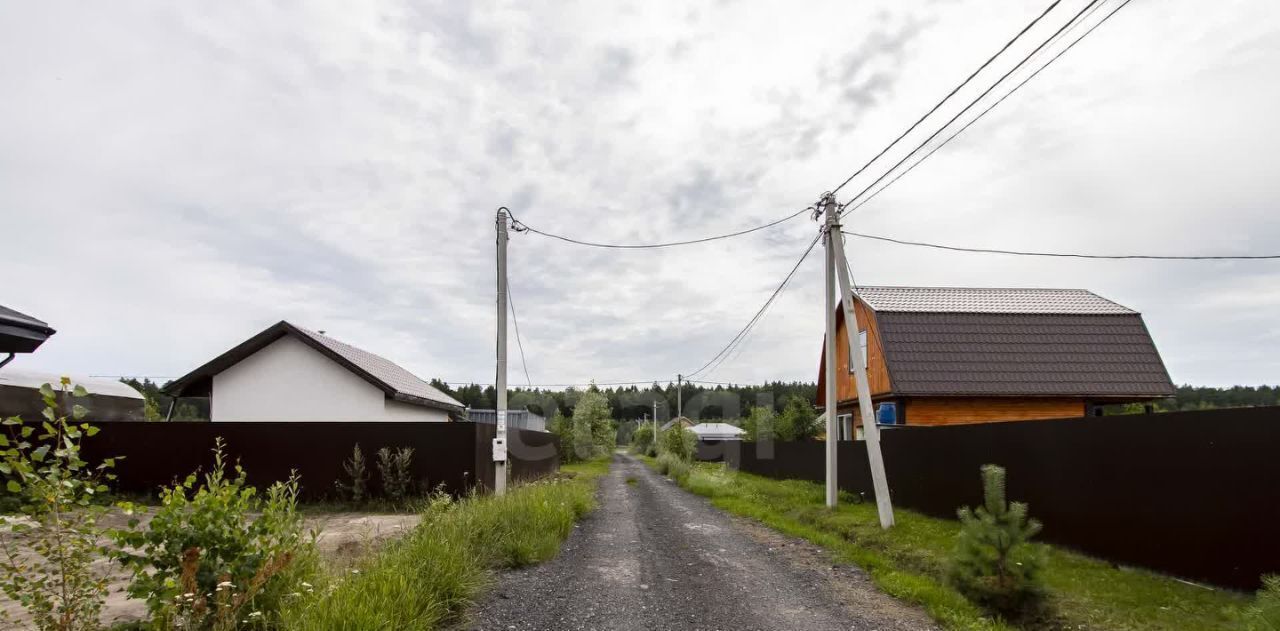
(909, 562)
(426, 579)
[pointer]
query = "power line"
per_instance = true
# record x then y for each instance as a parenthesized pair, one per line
(566, 385)
(975, 101)
(1066, 254)
(519, 344)
(950, 94)
(993, 106)
(520, 226)
(728, 347)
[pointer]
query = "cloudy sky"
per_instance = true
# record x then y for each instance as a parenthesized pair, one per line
(175, 177)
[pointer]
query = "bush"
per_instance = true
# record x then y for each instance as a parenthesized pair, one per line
(1264, 614)
(204, 561)
(679, 442)
(760, 424)
(356, 490)
(797, 420)
(642, 439)
(394, 466)
(55, 489)
(993, 563)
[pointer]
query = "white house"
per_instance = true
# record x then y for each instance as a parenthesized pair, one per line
(717, 431)
(288, 373)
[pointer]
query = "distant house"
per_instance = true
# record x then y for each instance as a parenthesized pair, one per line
(682, 421)
(288, 373)
(949, 355)
(108, 400)
(523, 419)
(20, 333)
(717, 431)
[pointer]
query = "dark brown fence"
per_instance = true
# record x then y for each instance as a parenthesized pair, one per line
(455, 455)
(1193, 494)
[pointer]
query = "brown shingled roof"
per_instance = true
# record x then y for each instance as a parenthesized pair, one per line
(951, 341)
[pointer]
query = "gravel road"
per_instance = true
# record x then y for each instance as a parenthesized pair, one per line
(656, 557)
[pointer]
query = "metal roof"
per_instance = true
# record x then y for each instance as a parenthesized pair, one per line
(712, 430)
(988, 300)
(388, 376)
(95, 385)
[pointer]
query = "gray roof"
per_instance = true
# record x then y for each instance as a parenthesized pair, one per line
(988, 300)
(395, 381)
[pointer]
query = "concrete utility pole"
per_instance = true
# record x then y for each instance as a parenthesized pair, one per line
(500, 381)
(655, 424)
(871, 431)
(679, 395)
(829, 210)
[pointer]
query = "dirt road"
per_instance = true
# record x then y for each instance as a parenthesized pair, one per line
(656, 557)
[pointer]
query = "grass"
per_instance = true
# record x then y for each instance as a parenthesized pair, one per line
(909, 561)
(426, 579)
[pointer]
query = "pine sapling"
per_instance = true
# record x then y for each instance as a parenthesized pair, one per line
(357, 488)
(397, 479)
(994, 564)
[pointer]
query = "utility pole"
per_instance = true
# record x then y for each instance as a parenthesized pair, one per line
(871, 431)
(829, 209)
(679, 395)
(500, 381)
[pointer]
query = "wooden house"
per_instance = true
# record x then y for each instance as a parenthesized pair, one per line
(951, 355)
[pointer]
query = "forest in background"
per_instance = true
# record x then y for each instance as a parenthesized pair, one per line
(703, 401)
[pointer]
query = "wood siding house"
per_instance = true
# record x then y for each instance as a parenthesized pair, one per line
(946, 356)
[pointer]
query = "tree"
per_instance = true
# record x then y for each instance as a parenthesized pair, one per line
(993, 563)
(797, 420)
(593, 431)
(678, 442)
(760, 424)
(642, 439)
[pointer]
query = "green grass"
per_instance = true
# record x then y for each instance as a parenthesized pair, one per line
(909, 561)
(426, 579)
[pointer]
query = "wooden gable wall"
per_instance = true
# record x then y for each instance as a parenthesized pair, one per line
(877, 369)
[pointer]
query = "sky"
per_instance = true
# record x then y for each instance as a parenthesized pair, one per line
(176, 177)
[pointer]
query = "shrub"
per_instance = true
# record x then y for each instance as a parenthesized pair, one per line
(593, 434)
(356, 489)
(642, 439)
(1264, 614)
(394, 466)
(204, 561)
(55, 489)
(760, 424)
(679, 442)
(797, 420)
(993, 563)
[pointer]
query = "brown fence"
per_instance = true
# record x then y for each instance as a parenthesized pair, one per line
(1193, 494)
(455, 455)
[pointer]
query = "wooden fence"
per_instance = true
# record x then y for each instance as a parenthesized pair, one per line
(1193, 494)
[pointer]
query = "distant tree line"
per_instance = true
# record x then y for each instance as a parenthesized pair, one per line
(1207, 398)
(701, 401)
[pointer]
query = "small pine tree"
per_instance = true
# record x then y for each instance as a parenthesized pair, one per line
(356, 489)
(993, 563)
(397, 479)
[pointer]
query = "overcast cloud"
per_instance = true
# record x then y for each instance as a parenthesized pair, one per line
(175, 177)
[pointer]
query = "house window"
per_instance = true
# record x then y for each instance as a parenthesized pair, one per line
(844, 427)
(862, 343)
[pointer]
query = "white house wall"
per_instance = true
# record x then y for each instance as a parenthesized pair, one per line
(290, 381)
